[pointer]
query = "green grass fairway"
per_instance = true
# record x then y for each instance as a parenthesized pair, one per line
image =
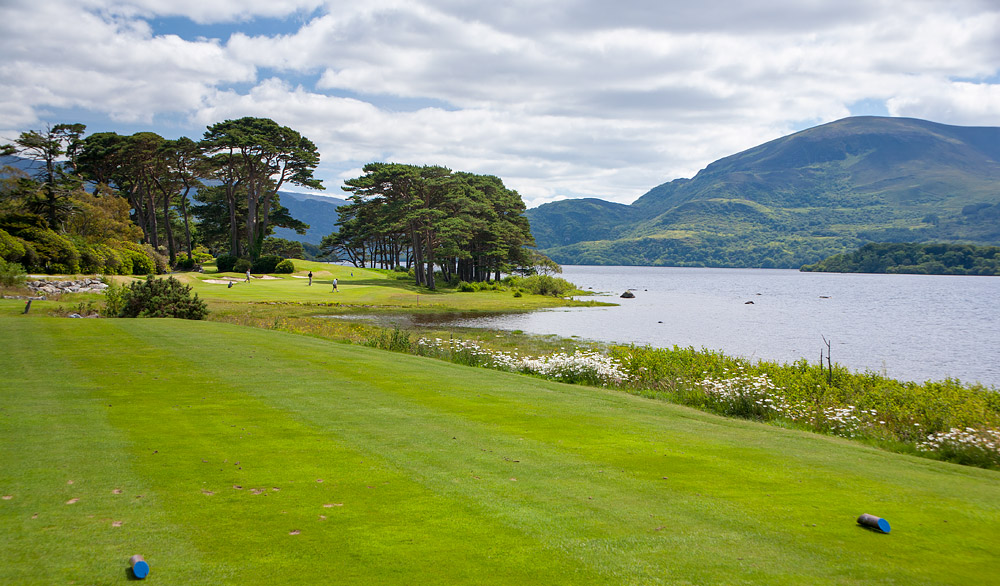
(359, 288)
(229, 455)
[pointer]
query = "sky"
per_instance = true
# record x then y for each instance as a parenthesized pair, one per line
(559, 98)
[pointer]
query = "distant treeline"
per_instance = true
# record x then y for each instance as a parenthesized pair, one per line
(921, 259)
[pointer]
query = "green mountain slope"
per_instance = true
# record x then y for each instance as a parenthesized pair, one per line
(319, 211)
(797, 199)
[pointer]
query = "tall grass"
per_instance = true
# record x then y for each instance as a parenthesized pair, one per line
(394, 340)
(906, 416)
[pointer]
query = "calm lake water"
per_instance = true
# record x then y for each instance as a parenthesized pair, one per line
(910, 327)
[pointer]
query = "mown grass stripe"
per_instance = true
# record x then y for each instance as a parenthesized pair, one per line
(175, 423)
(79, 506)
(589, 503)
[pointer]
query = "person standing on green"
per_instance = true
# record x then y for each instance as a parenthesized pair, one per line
(335, 285)
(310, 277)
(248, 275)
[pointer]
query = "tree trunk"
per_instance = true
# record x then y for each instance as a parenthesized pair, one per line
(187, 224)
(168, 228)
(429, 259)
(418, 257)
(252, 224)
(234, 234)
(151, 218)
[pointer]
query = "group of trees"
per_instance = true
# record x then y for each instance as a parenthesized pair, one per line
(96, 202)
(122, 204)
(49, 222)
(924, 258)
(468, 226)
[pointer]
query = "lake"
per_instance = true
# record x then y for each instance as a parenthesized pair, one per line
(910, 327)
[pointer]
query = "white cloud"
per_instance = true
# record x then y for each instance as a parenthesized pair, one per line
(965, 104)
(557, 97)
(60, 56)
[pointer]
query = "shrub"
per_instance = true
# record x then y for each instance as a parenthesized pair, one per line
(114, 298)
(242, 265)
(135, 258)
(56, 254)
(11, 274)
(544, 285)
(90, 261)
(226, 263)
(10, 248)
(161, 262)
(162, 298)
(30, 258)
(99, 258)
(464, 287)
(201, 255)
(285, 267)
(184, 264)
(141, 263)
(265, 264)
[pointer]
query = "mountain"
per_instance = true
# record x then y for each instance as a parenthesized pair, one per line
(319, 211)
(796, 200)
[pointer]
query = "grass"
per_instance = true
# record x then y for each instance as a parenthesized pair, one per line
(436, 473)
(363, 288)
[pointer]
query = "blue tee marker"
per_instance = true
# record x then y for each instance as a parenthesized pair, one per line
(140, 569)
(874, 522)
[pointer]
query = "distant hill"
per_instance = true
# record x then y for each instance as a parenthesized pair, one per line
(796, 200)
(319, 211)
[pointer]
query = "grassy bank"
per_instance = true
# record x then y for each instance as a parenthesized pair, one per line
(234, 455)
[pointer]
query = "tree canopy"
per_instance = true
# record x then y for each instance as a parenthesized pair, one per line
(253, 158)
(101, 201)
(470, 226)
